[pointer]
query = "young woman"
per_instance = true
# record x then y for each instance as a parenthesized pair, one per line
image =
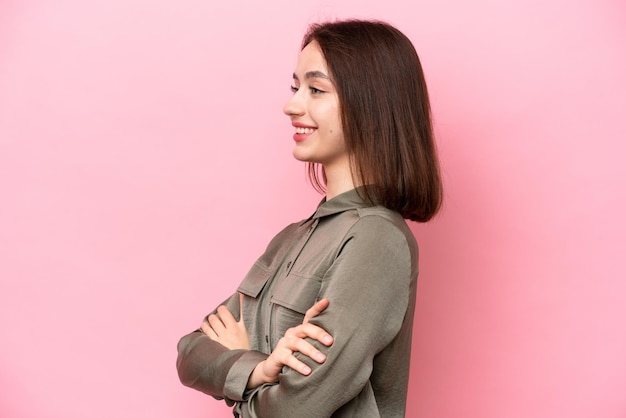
(321, 325)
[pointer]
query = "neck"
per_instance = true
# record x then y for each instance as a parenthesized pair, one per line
(338, 180)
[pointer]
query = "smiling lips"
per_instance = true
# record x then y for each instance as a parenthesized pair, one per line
(302, 132)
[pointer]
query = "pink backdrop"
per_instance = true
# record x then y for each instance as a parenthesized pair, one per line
(145, 163)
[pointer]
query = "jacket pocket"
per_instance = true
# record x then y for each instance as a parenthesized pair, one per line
(297, 293)
(290, 301)
(255, 280)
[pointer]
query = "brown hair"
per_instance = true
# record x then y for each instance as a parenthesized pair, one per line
(385, 115)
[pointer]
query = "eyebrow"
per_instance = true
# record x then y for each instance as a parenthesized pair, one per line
(312, 74)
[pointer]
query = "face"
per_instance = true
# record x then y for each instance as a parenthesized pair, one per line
(314, 112)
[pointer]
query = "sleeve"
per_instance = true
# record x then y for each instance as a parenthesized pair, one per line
(208, 366)
(368, 289)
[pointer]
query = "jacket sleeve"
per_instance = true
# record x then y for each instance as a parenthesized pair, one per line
(211, 368)
(368, 288)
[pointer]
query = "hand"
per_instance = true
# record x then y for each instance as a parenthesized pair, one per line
(293, 341)
(223, 328)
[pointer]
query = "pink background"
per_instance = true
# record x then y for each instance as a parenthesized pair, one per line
(145, 163)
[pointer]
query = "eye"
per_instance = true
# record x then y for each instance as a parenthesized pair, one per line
(316, 91)
(294, 89)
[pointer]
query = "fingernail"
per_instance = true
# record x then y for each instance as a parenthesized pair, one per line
(327, 339)
(306, 370)
(320, 357)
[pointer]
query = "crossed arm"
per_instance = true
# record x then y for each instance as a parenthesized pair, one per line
(368, 305)
(224, 329)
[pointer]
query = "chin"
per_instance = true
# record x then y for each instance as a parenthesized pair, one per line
(300, 156)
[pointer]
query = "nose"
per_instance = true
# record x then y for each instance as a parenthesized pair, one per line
(294, 106)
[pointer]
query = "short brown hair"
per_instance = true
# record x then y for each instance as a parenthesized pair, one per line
(385, 115)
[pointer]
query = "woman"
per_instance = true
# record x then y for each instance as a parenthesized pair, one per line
(321, 325)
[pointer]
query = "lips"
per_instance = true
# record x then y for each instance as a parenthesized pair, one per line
(302, 131)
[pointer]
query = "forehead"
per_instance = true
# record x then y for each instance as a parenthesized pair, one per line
(310, 59)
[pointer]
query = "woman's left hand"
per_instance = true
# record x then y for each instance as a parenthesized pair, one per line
(223, 328)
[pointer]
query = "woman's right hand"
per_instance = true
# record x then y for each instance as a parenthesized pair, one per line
(293, 341)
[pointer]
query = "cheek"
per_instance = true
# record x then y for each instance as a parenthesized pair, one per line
(335, 123)
(336, 128)
(329, 116)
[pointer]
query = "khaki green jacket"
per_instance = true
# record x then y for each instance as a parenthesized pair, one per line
(362, 258)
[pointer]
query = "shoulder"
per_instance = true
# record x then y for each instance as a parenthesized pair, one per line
(381, 224)
(380, 249)
(383, 234)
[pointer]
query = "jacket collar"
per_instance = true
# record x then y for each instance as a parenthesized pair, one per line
(340, 203)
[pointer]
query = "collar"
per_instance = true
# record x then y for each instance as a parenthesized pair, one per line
(340, 203)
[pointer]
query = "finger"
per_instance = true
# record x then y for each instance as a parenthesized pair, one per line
(216, 324)
(284, 357)
(226, 317)
(306, 348)
(274, 364)
(241, 307)
(208, 331)
(298, 366)
(311, 331)
(316, 309)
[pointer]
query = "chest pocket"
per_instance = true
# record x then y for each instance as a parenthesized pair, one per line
(292, 297)
(254, 281)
